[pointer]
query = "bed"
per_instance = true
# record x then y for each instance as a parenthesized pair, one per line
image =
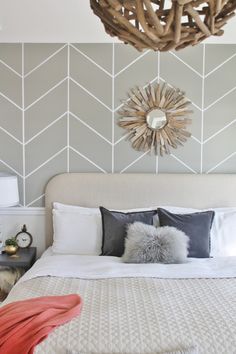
(138, 309)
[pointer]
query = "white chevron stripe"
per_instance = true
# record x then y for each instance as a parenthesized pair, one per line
(195, 105)
(35, 200)
(158, 66)
(91, 128)
(45, 94)
(133, 162)
(221, 162)
(219, 66)
(9, 100)
(220, 98)
(122, 138)
(89, 93)
(118, 107)
(12, 136)
(86, 158)
(203, 103)
(186, 64)
(113, 113)
(158, 80)
(68, 110)
(44, 129)
(11, 168)
(157, 164)
(23, 117)
(131, 63)
(45, 162)
(91, 60)
(197, 140)
(10, 68)
(183, 163)
(219, 131)
(45, 61)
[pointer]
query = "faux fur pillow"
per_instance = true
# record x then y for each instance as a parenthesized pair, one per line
(148, 244)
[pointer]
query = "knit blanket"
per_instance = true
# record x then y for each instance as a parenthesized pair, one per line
(24, 324)
(141, 315)
(138, 309)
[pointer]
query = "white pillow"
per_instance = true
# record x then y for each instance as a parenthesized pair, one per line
(223, 233)
(76, 232)
(67, 207)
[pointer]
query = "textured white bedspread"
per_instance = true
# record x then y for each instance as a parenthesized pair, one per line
(134, 309)
(97, 267)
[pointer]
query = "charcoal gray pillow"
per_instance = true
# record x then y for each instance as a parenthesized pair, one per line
(148, 244)
(197, 226)
(114, 225)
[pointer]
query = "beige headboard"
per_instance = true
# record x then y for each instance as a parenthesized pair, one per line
(121, 191)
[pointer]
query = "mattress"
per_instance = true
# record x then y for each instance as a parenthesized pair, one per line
(134, 309)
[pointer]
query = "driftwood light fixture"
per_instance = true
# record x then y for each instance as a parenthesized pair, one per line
(163, 24)
(156, 118)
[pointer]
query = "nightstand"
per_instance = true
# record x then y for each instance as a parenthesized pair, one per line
(24, 258)
(13, 267)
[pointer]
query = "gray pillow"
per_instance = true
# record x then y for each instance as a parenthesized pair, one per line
(114, 226)
(148, 244)
(197, 226)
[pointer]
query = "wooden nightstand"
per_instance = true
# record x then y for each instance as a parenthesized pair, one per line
(24, 258)
(13, 267)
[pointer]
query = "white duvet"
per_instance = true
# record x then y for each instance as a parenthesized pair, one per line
(102, 267)
(138, 309)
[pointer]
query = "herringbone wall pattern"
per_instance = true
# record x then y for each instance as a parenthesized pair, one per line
(59, 103)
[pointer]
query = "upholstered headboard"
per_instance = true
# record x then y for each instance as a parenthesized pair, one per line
(121, 191)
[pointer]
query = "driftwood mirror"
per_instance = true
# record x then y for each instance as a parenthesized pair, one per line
(156, 118)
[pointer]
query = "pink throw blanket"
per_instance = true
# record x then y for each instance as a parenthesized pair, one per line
(24, 324)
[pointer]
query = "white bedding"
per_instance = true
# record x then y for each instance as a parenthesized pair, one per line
(102, 267)
(138, 309)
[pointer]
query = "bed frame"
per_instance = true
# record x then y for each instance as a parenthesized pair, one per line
(123, 191)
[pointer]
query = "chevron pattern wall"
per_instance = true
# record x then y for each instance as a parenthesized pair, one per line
(59, 103)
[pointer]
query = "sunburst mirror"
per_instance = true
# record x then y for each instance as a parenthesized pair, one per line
(156, 118)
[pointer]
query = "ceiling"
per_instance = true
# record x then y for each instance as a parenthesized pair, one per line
(63, 21)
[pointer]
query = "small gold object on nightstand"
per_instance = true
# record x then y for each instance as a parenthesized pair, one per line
(11, 246)
(11, 250)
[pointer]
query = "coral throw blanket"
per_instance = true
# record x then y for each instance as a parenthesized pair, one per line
(24, 324)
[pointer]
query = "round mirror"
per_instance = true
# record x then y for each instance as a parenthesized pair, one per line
(156, 119)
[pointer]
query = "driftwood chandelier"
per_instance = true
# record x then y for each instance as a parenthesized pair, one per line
(163, 24)
(156, 118)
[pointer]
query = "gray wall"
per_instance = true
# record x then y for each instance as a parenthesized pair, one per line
(58, 108)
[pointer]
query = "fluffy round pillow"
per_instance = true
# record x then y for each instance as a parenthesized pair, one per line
(148, 244)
